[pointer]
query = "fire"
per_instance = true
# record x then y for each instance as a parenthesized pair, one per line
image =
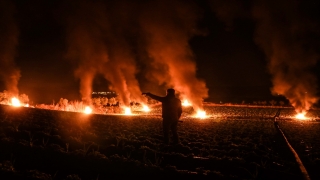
(145, 108)
(301, 116)
(201, 114)
(15, 102)
(127, 111)
(87, 110)
(186, 103)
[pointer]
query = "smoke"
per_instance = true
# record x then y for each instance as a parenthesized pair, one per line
(86, 47)
(98, 44)
(122, 68)
(105, 38)
(283, 33)
(167, 28)
(227, 11)
(8, 42)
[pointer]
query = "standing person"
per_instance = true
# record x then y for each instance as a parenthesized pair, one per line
(171, 113)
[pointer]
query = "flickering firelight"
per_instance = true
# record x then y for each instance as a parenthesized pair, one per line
(15, 102)
(145, 108)
(301, 116)
(186, 103)
(127, 111)
(87, 110)
(201, 114)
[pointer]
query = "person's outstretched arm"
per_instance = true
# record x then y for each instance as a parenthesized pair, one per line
(155, 97)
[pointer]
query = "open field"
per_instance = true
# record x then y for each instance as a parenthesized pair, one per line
(234, 143)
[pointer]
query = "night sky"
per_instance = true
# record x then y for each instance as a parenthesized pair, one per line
(233, 46)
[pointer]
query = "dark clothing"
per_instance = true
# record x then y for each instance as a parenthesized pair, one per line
(173, 126)
(171, 113)
(171, 106)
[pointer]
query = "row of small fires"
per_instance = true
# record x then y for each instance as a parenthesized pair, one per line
(127, 110)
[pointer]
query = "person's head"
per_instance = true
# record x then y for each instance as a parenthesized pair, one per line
(170, 92)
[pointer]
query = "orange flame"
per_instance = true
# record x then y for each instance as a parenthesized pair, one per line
(127, 111)
(201, 114)
(186, 103)
(145, 108)
(301, 116)
(15, 102)
(87, 110)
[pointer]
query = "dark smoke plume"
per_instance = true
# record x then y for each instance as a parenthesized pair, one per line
(283, 33)
(8, 43)
(167, 27)
(227, 11)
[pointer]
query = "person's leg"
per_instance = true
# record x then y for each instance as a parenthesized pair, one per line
(166, 129)
(174, 130)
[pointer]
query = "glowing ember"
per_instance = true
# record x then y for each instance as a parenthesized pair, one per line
(186, 103)
(127, 111)
(87, 110)
(301, 116)
(145, 108)
(201, 114)
(15, 102)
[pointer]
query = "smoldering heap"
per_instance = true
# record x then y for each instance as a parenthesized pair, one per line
(116, 38)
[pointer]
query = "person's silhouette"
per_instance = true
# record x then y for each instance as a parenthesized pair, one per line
(171, 113)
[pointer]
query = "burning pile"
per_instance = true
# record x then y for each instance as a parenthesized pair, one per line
(301, 116)
(17, 101)
(87, 110)
(186, 103)
(199, 112)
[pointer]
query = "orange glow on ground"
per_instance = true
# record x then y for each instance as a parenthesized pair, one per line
(87, 110)
(15, 102)
(301, 116)
(186, 103)
(127, 111)
(145, 108)
(201, 114)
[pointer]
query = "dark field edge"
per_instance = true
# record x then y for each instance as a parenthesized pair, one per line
(302, 168)
(281, 147)
(63, 164)
(312, 169)
(24, 162)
